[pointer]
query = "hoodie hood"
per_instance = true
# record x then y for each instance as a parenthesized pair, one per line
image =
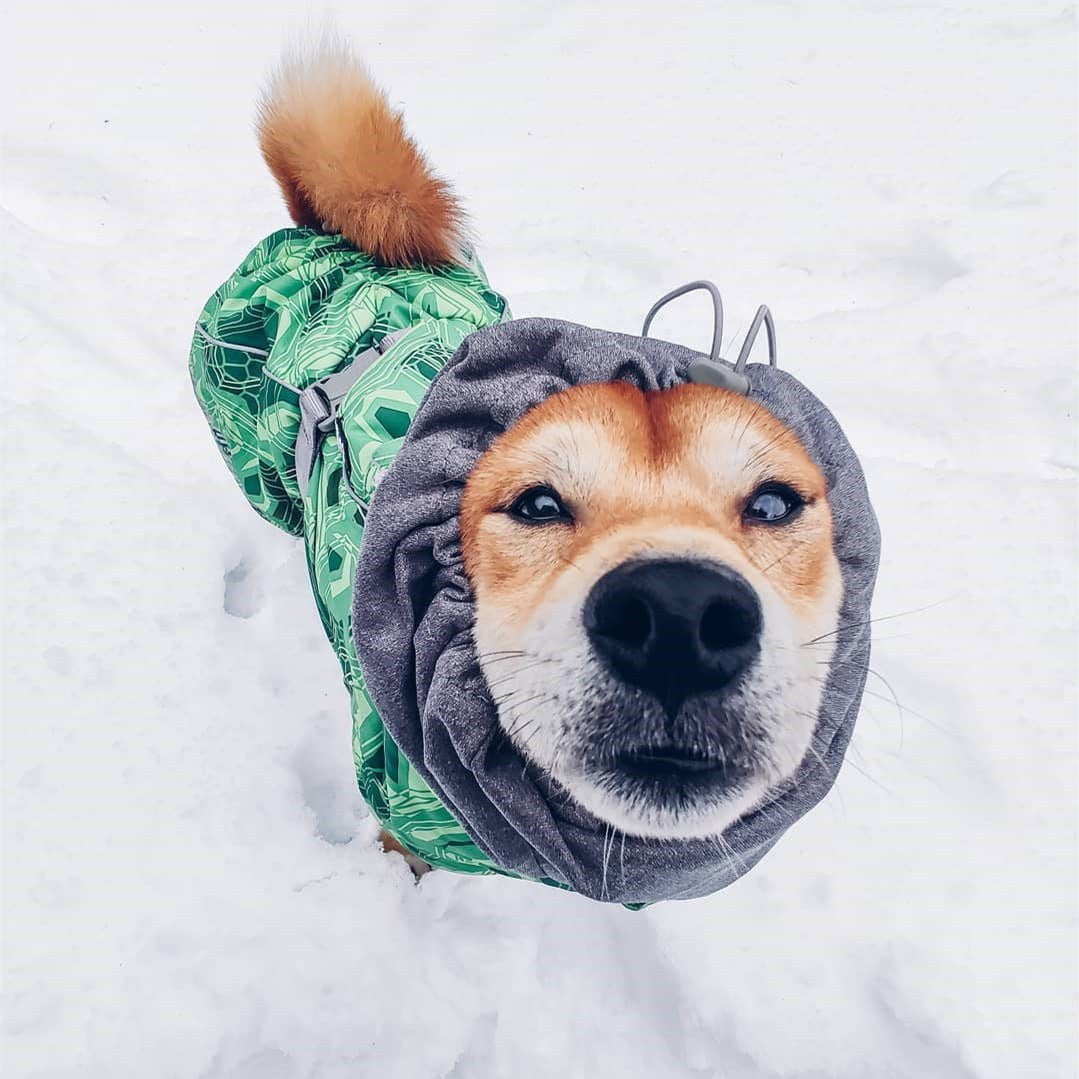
(413, 610)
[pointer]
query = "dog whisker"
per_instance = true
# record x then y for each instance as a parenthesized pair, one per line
(854, 764)
(759, 454)
(518, 671)
(873, 621)
(501, 657)
(731, 854)
(786, 554)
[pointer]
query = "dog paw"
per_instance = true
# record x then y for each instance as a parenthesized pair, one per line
(390, 845)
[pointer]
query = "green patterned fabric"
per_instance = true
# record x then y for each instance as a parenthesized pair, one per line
(302, 306)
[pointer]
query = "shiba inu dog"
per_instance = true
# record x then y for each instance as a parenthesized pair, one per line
(654, 572)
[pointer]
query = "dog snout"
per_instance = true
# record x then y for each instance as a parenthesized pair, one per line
(674, 628)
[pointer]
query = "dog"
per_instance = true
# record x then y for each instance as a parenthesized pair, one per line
(656, 588)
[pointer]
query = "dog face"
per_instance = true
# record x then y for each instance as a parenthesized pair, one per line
(655, 585)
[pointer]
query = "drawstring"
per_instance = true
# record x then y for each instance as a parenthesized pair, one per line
(715, 371)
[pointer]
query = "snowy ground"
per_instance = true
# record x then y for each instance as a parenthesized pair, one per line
(190, 884)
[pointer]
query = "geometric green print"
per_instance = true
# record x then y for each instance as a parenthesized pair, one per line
(301, 306)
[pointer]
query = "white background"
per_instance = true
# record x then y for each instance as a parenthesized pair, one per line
(190, 885)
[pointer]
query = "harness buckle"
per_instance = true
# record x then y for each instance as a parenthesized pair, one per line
(319, 406)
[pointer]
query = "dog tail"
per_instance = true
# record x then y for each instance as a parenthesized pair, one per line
(346, 165)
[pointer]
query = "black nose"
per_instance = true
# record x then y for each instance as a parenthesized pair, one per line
(674, 628)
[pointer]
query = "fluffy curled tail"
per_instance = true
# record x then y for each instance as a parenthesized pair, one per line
(346, 164)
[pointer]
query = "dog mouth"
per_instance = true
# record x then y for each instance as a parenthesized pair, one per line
(666, 761)
(666, 771)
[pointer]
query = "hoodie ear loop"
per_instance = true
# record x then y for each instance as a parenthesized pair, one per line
(715, 371)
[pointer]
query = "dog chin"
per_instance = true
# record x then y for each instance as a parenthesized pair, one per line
(629, 810)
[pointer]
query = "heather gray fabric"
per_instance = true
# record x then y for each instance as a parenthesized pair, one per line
(413, 611)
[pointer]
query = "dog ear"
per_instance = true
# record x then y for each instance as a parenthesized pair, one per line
(345, 163)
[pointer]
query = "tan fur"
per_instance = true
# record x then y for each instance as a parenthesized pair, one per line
(346, 165)
(666, 472)
(391, 846)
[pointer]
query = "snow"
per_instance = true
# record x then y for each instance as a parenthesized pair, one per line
(191, 886)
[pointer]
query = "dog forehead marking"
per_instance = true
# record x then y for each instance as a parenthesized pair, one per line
(670, 445)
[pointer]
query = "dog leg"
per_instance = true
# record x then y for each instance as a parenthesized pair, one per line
(418, 866)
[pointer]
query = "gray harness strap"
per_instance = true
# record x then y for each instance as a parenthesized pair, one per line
(319, 401)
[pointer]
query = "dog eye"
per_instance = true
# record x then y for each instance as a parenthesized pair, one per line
(539, 505)
(772, 503)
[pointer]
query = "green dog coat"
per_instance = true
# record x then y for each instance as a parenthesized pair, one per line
(301, 308)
